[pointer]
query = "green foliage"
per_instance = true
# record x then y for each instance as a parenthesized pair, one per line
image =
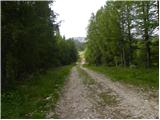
(121, 33)
(35, 97)
(147, 78)
(31, 44)
(29, 41)
(67, 52)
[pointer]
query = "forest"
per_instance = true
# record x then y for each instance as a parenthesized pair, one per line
(111, 73)
(31, 42)
(124, 34)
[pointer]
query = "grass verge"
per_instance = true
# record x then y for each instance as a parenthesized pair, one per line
(146, 78)
(35, 97)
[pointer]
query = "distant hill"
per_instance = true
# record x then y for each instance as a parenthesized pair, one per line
(80, 39)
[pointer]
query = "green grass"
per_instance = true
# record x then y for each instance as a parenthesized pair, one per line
(146, 78)
(35, 97)
(108, 99)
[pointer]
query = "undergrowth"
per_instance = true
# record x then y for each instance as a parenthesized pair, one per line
(34, 97)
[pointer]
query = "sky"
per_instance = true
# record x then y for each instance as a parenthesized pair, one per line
(75, 15)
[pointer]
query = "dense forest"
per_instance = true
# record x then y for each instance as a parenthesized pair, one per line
(31, 42)
(124, 34)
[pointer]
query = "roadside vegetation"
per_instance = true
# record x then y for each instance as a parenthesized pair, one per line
(31, 41)
(124, 33)
(34, 59)
(35, 97)
(122, 42)
(146, 78)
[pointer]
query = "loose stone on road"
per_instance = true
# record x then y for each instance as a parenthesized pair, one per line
(103, 99)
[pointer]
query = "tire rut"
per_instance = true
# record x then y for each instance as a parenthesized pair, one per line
(132, 103)
(74, 102)
(103, 99)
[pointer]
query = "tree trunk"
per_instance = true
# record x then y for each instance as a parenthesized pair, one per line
(129, 35)
(146, 35)
(124, 57)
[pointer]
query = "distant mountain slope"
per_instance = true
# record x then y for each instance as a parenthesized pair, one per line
(80, 39)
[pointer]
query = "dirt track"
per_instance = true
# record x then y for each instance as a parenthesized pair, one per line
(103, 99)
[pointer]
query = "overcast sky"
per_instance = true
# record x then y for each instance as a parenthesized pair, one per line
(75, 15)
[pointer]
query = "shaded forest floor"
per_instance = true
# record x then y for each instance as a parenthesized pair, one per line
(88, 94)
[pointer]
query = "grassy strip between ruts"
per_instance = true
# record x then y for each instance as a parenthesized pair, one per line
(87, 80)
(146, 78)
(35, 97)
